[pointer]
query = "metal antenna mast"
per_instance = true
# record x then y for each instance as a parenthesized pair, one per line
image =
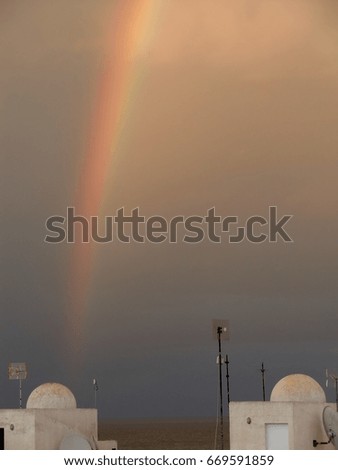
(263, 380)
(18, 371)
(221, 332)
(228, 378)
(96, 389)
(220, 363)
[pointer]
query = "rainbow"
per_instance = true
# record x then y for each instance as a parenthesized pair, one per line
(130, 26)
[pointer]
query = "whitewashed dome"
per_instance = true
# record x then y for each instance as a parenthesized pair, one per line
(51, 395)
(298, 387)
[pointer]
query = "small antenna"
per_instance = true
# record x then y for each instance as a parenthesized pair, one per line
(96, 389)
(18, 371)
(263, 380)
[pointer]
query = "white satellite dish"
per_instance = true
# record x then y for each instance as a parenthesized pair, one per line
(75, 442)
(330, 420)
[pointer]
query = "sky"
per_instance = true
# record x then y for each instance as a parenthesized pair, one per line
(231, 104)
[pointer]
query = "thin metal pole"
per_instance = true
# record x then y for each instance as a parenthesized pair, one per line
(263, 380)
(336, 380)
(96, 387)
(20, 393)
(219, 332)
(228, 378)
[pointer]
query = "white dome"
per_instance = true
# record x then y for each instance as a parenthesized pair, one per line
(298, 387)
(51, 395)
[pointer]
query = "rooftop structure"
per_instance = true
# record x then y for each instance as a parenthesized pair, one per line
(51, 420)
(292, 419)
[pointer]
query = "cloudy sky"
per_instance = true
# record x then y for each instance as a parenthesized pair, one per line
(231, 104)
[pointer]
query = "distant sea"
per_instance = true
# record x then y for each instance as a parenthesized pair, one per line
(163, 433)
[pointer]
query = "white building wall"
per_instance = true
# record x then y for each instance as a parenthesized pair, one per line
(50, 416)
(19, 426)
(248, 420)
(30, 429)
(308, 425)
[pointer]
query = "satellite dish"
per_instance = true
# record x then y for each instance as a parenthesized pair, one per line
(75, 442)
(330, 420)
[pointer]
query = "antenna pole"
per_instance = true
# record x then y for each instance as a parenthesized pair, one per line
(263, 380)
(228, 378)
(96, 387)
(20, 393)
(18, 371)
(220, 360)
